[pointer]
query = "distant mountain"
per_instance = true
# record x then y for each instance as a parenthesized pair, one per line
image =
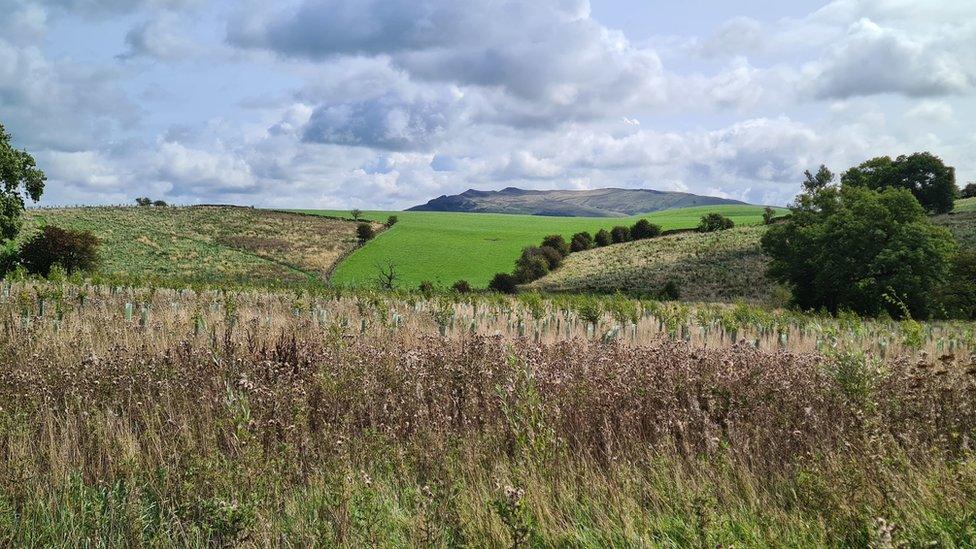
(591, 203)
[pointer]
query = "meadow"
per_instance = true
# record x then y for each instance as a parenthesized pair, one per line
(173, 417)
(445, 247)
(212, 245)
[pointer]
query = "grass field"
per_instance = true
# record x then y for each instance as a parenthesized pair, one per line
(720, 266)
(445, 247)
(211, 245)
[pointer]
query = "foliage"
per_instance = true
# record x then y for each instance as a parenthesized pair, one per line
(392, 220)
(957, 297)
(714, 222)
(365, 232)
(620, 234)
(924, 174)
(72, 250)
(160, 203)
(461, 287)
(603, 238)
(556, 242)
(19, 179)
(503, 283)
(356, 214)
(143, 201)
(849, 247)
(426, 288)
(670, 291)
(581, 241)
(768, 215)
(644, 229)
(533, 264)
(969, 191)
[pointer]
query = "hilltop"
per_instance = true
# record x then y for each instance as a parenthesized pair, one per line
(585, 203)
(208, 244)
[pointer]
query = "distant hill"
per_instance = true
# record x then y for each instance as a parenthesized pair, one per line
(588, 203)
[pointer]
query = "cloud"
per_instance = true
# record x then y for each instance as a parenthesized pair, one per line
(159, 38)
(873, 60)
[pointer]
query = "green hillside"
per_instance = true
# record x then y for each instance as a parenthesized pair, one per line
(208, 244)
(444, 247)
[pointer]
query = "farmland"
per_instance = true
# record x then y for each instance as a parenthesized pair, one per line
(445, 247)
(207, 245)
(175, 417)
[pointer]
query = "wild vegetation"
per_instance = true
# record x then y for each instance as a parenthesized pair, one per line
(213, 245)
(141, 417)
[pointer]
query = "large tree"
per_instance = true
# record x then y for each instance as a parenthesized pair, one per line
(19, 178)
(924, 174)
(854, 248)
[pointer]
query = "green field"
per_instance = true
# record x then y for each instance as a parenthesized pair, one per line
(443, 247)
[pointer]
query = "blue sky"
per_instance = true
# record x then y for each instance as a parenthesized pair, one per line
(387, 103)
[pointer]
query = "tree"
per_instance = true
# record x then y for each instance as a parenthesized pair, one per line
(603, 238)
(531, 265)
(461, 287)
(72, 250)
(558, 243)
(143, 201)
(19, 179)
(387, 275)
(620, 234)
(365, 232)
(714, 222)
(503, 283)
(924, 174)
(860, 250)
(356, 213)
(644, 229)
(581, 241)
(768, 215)
(957, 297)
(160, 203)
(969, 191)
(392, 220)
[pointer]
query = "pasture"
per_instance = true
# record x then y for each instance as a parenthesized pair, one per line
(445, 247)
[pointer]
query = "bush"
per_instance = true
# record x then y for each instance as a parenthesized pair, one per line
(365, 232)
(969, 191)
(957, 297)
(392, 220)
(532, 265)
(144, 201)
(714, 222)
(503, 283)
(72, 250)
(670, 291)
(768, 215)
(581, 241)
(461, 287)
(160, 203)
(9, 257)
(426, 287)
(620, 234)
(644, 229)
(603, 238)
(558, 243)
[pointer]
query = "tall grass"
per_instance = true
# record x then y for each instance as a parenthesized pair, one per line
(253, 419)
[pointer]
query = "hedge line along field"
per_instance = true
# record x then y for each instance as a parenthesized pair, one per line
(214, 245)
(140, 417)
(444, 247)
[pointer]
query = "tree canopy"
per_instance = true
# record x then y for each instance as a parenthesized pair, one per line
(924, 174)
(20, 178)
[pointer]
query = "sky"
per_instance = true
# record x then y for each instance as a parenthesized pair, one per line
(384, 104)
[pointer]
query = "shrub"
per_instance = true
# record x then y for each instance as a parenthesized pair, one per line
(558, 243)
(969, 191)
(714, 222)
(9, 257)
(461, 287)
(160, 203)
(503, 283)
(670, 291)
(531, 266)
(552, 256)
(620, 234)
(392, 220)
(426, 287)
(603, 238)
(644, 229)
(365, 232)
(768, 215)
(356, 213)
(957, 297)
(144, 201)
(72, 250)
(581, 241)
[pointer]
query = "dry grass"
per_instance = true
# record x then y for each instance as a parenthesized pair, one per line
(273, 419)
(209, 244)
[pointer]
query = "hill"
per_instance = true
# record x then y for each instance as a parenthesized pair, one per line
(720, 266)
(208, 244)
(443, 247)
(584, 203)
